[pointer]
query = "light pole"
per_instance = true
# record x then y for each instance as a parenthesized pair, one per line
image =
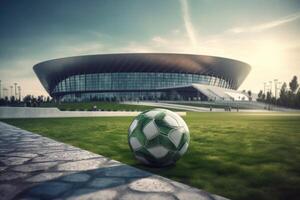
(15, 90)
(275, 85)
(270, 88)
(265, 88)
(19, 92)
(5, 92)
(11, 90)
(0, 90)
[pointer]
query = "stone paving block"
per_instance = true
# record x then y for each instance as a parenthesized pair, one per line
(151, 185)
(2, 168)
(45, 177)
(126, 171)
(65, 155)
(8, 176)
(77, 177)
(8, 191)
(191, 195)
(82, 165)
(21, 154)
(14, 160)
(107, 182)
(34, 167)
(179, 185)
(49, 189)
(146, 196)
(92, 194)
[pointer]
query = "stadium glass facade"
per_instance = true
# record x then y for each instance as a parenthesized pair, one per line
(141, 76)
(129, 86)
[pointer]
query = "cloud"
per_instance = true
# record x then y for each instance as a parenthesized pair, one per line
(85, 48)
(175, 31)
(159, 40)
(265, 26)
(133, 47)
(188, 23)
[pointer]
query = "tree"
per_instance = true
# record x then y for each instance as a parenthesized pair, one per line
(48, 99)
(263, 96)
(298, 99)
(27, 100)
(40, 99)
(250, 95)
(260, 95)
(283, 96)
(4, 101)
(294, 84)
(12, 99)
(269, 97)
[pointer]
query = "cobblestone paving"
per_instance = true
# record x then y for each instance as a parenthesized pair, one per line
(35, 167)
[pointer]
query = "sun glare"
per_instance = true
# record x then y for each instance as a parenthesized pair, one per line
(269, 55)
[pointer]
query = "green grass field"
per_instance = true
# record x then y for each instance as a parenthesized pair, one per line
(235, 155)
(105, 106)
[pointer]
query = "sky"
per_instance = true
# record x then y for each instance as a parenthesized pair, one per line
(264, 34)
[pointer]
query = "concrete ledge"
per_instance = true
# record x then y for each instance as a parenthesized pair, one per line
(29, 112)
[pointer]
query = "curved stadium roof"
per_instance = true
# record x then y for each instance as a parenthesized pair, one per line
(52, 71)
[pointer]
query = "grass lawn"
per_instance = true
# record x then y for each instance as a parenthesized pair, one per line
(235, 155)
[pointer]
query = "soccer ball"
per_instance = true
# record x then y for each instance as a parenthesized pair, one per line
(158, 137)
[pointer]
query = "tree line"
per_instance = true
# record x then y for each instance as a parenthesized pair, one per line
(28, 100)
(289, 95)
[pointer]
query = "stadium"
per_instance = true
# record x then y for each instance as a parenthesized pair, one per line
(143, 76)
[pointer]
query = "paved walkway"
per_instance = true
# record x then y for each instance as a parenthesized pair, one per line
(36, 167)
(188, 108)
(245, 106)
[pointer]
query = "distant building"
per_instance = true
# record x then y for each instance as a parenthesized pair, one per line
(143, 76)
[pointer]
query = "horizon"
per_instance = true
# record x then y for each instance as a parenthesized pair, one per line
(267, 40)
